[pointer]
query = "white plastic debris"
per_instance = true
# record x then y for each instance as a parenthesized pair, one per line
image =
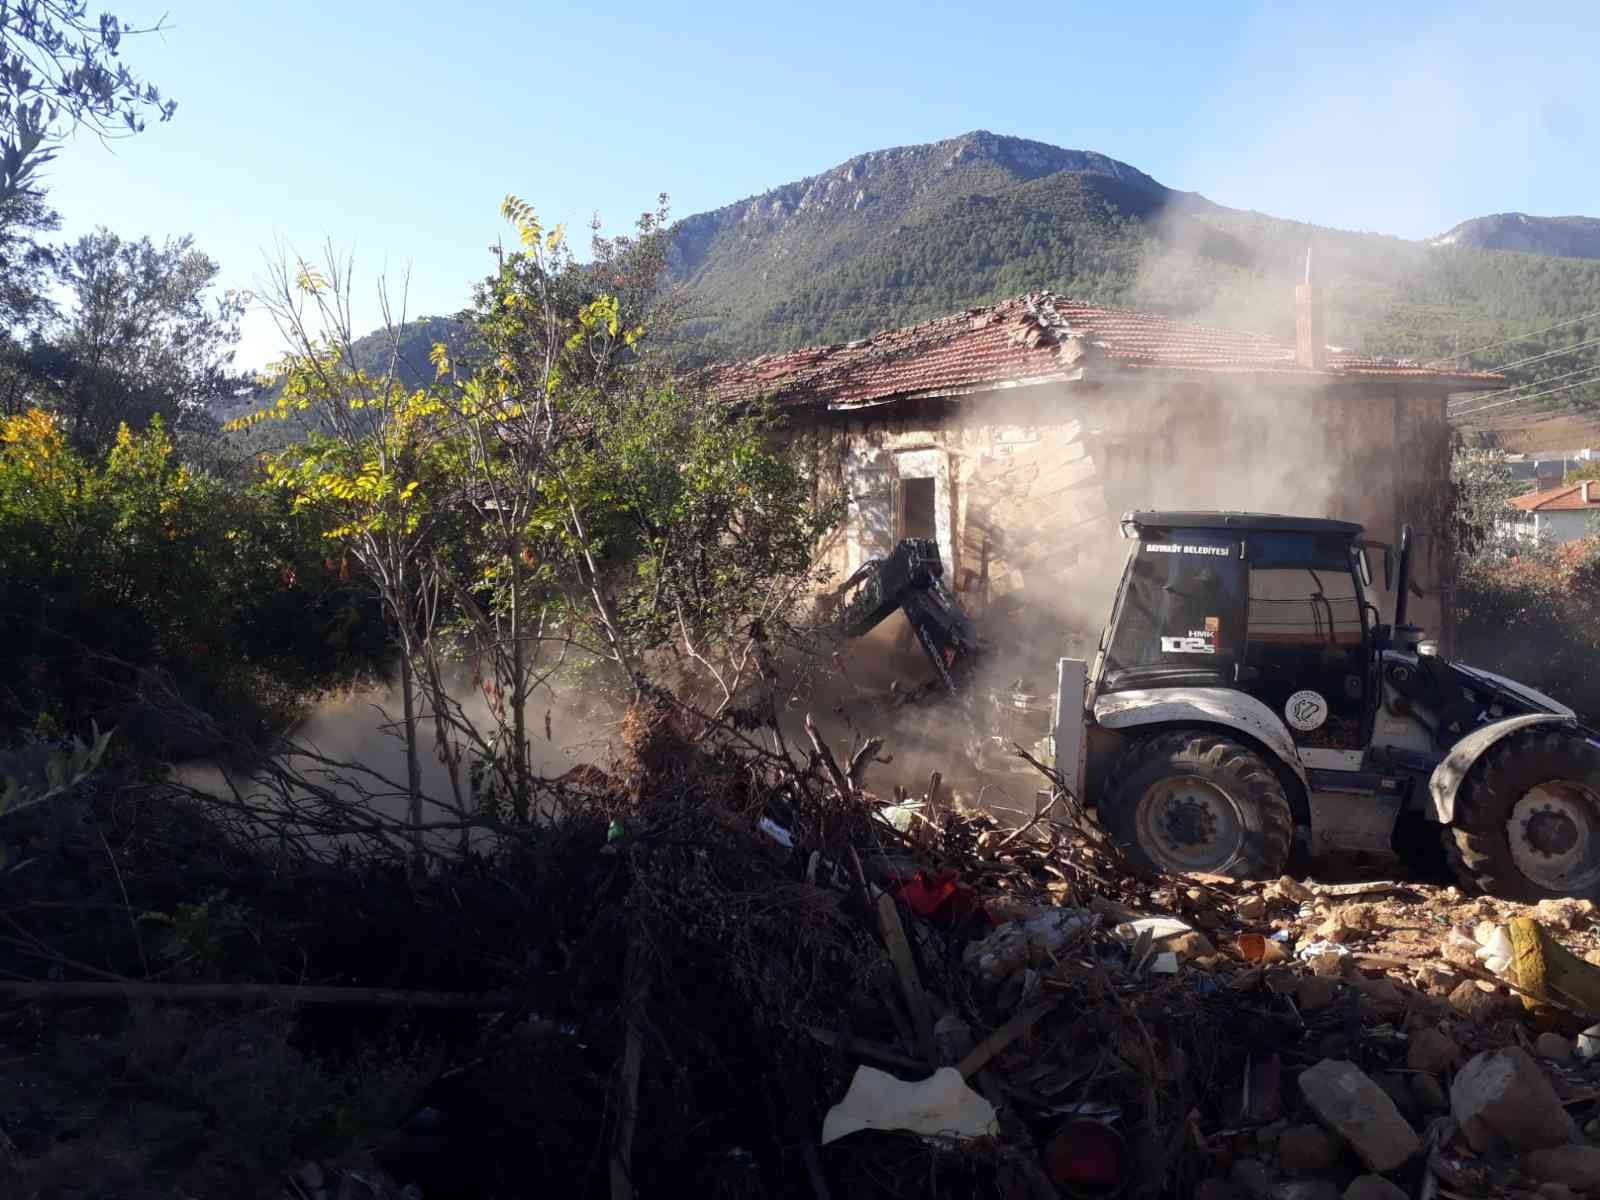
(1165, 963)
(1589, 1043)
(940, 1106)
(1494, 947)
(776, 832)
(1314, 950)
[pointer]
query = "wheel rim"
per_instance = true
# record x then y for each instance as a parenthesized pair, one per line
(1190, 824)
(1554, 837)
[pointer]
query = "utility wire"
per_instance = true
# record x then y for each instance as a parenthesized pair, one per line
(1566, 387)
(1522, 362)
(1520, 386)
(1521, 337)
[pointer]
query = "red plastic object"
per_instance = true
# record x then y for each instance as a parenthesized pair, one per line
(941, 897)
(1087, 1158)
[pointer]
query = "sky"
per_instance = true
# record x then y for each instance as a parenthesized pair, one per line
(394, 130)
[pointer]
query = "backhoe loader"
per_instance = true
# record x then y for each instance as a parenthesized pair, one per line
(1245, 694)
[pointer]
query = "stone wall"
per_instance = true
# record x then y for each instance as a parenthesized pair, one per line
(1028, 483)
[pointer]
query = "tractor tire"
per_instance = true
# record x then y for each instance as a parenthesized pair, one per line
(1527, 819)
(1194, 801)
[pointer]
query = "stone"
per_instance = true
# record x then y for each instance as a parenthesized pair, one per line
(1251, 908)
(1556, 1191)
(1306, 1189)
(1374, 1187)
(1381, 998)
(1503, 1094)
(1575, 1167)
(1328, 965)
(1554, 1047)
(1306, 1148)
(1564, 914)
(1362, 918)
(1334, 930)
(1253, 1178)
(1287, 888)
(1429, 1093)
(1432, 1051)
(1350, 1104)
(1314, 993)
(1478, 1001)
(1214, 1189)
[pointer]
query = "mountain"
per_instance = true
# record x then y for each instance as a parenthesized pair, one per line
(900, 235)
(904, 234)
(1562, 237)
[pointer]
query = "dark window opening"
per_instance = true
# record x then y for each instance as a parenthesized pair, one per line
(917, 509)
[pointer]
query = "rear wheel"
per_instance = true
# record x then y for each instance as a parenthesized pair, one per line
(1527, 819)
(1194, 801)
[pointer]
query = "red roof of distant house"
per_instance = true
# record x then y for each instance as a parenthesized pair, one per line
(1570, 497)
(1037, 338)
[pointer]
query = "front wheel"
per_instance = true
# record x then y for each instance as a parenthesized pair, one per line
(1527, 819)
(1198, 802)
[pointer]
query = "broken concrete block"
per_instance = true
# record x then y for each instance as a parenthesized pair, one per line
(1374, 1187)
(1432, 1051)
(1358, 1110)
(1564, 913)
(1479, 1001)
(1504, 1094)
(1577, 1167)
(1306, 1148)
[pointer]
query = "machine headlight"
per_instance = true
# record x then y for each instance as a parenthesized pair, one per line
(1429, 647)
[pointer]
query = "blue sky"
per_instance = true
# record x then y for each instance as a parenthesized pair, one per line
(395, 129)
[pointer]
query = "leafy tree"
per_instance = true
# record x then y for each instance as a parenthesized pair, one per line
(142, 336)
(1588, 470)
(1483, 485)
(134, 562)
(61, 68)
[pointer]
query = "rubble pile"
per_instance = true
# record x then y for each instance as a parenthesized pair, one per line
(730, 973)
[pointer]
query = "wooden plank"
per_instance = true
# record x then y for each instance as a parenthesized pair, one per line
(1004, 1036)
(905, 967)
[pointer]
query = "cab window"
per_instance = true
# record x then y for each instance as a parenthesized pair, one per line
(1182, 611)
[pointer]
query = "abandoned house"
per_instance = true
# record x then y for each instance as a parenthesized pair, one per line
(1016, 434)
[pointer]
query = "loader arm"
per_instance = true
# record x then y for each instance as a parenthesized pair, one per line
(911, 579)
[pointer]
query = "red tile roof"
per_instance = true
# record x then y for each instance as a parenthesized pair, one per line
(1036, 338)
(1569, 497)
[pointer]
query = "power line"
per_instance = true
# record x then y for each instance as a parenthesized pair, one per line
(1521, 337)
(1518, 387)
(1522, 362)
(1566, 387)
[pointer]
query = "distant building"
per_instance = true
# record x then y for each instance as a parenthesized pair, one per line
(1563, 513)
(1548, 468)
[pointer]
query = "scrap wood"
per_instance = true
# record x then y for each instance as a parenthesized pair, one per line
(1550, 973)
(905, 967)
(1004, 1036)
(205, 993)
(824, 756)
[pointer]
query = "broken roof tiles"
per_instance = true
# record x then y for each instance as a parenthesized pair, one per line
(1037, 338)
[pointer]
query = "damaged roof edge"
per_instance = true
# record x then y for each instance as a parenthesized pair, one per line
(1038, 339)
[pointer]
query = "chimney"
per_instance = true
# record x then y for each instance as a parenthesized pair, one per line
(1310, 344)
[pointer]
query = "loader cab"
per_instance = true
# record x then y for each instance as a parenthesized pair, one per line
(1272, 606)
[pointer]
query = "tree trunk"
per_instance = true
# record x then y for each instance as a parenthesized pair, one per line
(413, 764)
